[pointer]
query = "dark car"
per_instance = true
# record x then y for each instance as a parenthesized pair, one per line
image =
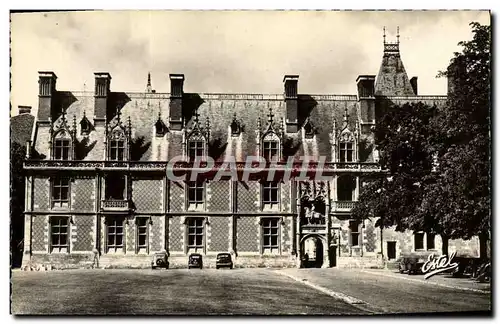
(160, 260)
(195, 261)
(224, 260)
(412, 263)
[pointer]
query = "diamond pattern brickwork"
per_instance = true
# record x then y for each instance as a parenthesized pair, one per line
(38, 233)
(285, 196)
(247, 235)
(371, 237)
(41, 194)
(248, 197)
(176, 196)
(176, 234)
(156, 233)
(218, 197)
(84, 233)
(83, 194)
(147, 194)
(219, 234)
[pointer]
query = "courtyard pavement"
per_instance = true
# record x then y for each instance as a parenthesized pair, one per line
(238, 292)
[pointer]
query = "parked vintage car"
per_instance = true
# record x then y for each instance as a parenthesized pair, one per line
(224, 260)
(412, 263)
(195, 261)
(160, 260)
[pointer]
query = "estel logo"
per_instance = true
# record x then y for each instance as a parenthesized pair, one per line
(438, 264)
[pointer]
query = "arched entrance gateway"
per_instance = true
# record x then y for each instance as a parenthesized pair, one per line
(313, 222)
(312, 251)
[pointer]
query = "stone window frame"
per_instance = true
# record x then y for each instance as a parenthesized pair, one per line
(425, 241)
(195, 205)
(199, 143)
(268, 139)
(59, 146)
(117, 249)
(118, 134)
(196, 248)
(139, 249)
(272, 249)
(53, 201)
(269, 205)
(59, 246)
(359, 233)
(422, 235)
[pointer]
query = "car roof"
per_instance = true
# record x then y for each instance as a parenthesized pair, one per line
(224, 253)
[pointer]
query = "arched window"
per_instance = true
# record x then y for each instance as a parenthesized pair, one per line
(271, 147)
(196, 147)
(62, 146)
(346, 146)
(117, 145)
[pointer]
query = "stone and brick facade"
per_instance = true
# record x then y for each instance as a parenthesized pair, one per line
(99, 194)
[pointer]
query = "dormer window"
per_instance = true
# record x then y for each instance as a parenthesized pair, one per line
(346, 152)
(235, 127)
(85, 126)
(117, 150)
(161, 128)
(309, 130)
(196, 149)
(62, 146)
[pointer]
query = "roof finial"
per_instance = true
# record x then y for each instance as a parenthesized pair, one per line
(398, 35)
(270, 115)
(384, 34)
(74, 124)
(118, 112)
(196, 116)
(346, 115)
(159, 110)
(148, 86)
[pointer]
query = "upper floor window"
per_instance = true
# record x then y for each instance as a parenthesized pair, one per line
(60, 192)
(196, 149)
(62, 149)
(270, 149)
(117, 150)
(270, 195)
(346, 188)
(59, 234)
(270, 235)
(195, 195)
(346, 152)
(195, 230)
(115, 187)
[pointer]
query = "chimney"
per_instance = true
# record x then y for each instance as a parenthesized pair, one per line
(176, 94)
(413, 82)
(366, 98)
(24, 109)
(291, 103)
(102, 89)
(46, 94)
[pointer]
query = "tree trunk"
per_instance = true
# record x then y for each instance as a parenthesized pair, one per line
(445, 244)
(483, 246)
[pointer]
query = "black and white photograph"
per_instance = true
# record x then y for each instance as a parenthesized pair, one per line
(251, 162)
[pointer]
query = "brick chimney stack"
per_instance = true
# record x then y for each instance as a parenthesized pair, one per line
(291, 103)
(24, 109)
(101, 94)
(46, 94)
(176, 94)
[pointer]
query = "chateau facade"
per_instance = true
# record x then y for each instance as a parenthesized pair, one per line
(99, 190)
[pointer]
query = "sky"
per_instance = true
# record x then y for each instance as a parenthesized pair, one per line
(229, 51)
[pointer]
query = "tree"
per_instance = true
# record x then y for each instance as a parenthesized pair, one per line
(463, 179)
(404, 136)
(437, 162)
(17, 154)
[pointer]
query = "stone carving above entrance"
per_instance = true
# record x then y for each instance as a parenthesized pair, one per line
(313, 198)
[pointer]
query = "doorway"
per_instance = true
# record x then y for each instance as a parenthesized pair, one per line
(391, 250)
(312, 252)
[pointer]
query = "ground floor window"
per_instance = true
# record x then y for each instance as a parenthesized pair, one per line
(419, 240)
(114, 234)
(354, 232)
(142, 230)
(270, 235)
(59, 234)
(195, 230)
(431, 244)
